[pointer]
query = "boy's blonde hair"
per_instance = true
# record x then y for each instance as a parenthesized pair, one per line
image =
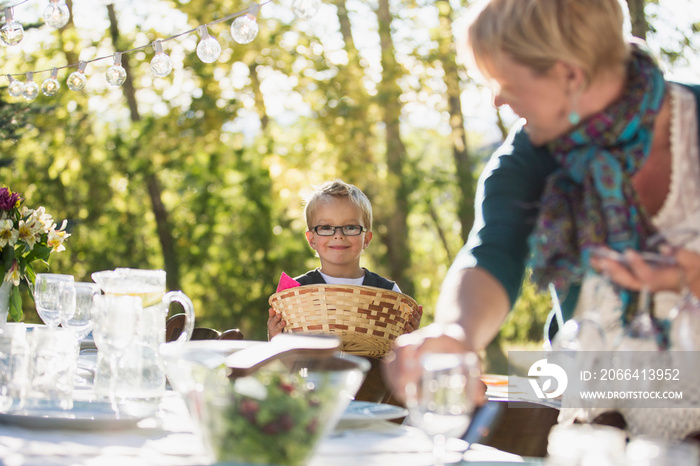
(537, 33)
(338, 189)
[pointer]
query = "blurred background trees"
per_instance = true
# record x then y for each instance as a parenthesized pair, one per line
(203, 173)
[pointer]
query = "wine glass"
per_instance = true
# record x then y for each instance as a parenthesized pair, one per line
(685, 315)
(115, 320)
(52, 298)
(80, 322)
(585, 332)
(643, 332)
(442, 402)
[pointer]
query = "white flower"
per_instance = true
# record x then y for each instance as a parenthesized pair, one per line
(40, 217)
(12, 275)
(8, 235)
(56, 239)
(30, 232)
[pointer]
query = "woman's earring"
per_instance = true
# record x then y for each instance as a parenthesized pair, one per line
(574, 117)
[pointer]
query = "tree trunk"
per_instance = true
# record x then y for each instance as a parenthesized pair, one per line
(463, 165)
(389, 93)
(259, 100)
(167, 242)
(638, 18)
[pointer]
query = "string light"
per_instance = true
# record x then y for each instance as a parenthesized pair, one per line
(77, 80)
(11, 32)
(208, 49)
(305, 9)
(15, 87)
(50, 86)
(116, 74)
(245, 28)
(56, 14)
(161, 64)
(30, 89)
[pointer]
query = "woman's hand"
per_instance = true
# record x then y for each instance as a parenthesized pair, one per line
(636, 273)
(275, 324)
(401, 366)
(690, 262)
(413, 323)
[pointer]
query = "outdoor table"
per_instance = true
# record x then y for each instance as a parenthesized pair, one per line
(168, 439)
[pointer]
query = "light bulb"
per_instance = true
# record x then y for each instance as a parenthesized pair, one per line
(56, 14)
(30, 89)
(305, 9)
(245, 28)
(11, 32)
(208, 49)
(15, 87)
(77, 80)
(116, 74)
(51, 85)
(161, 64)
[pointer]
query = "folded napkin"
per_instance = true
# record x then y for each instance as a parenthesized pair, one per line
(286, 282)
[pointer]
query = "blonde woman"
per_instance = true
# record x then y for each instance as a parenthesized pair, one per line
(606, 155)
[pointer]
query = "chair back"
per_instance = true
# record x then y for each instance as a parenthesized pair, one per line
(175, 324)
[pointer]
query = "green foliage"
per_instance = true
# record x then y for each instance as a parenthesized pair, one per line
(526, 321)
(230, 149)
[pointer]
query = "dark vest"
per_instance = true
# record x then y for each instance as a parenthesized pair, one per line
(314, 277)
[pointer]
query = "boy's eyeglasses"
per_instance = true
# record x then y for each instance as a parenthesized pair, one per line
(348, 230)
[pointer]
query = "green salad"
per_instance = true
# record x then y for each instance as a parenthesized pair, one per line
(270, 417)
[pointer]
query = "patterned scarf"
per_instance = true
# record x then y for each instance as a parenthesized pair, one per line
(589, 200)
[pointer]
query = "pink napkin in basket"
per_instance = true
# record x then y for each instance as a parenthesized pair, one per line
(286, 282)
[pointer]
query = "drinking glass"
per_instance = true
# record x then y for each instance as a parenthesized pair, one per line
(80, 322)
(648, 451)
(14, 366)
(54, 359)
(52, 298)
(585, 444)
(115, 319)
(442, 402)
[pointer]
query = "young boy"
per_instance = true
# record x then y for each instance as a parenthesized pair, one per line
(339, 228)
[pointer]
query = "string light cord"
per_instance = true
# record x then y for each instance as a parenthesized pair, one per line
(253, 8)
(13, 6)
(244, 29)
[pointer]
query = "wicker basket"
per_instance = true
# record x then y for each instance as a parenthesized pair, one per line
(367, 319)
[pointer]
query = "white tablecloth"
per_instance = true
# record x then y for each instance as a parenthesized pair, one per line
(169, 439)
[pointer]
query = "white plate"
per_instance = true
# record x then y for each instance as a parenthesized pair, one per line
(368, 411)
(84, 415)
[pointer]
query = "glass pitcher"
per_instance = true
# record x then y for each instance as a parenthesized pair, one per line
(141, 372)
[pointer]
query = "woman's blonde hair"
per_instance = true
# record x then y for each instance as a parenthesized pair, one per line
(538, 33)
(338, 189)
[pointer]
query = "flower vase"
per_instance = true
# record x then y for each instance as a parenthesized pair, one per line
(5, 290)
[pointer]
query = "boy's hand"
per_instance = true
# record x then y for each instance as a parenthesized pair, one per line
(414, 322)
(275, 324)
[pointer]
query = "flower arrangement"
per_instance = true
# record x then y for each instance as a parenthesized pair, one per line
(26, 235)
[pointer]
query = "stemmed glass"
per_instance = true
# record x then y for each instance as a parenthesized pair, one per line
(80, 322)
(53, 299)
(115, 320)
(643, 332)
(442, 402)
